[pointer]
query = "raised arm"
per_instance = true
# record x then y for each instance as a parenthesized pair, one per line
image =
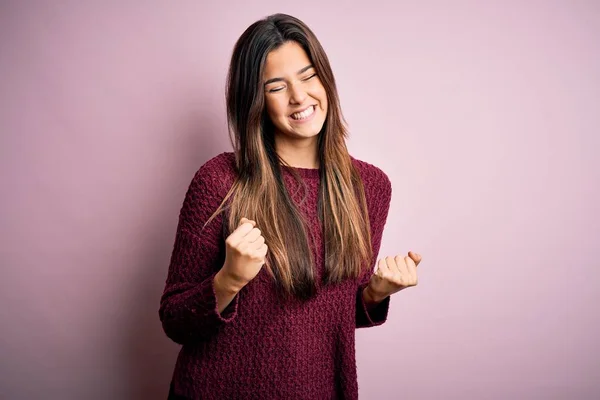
(189, 304)
(371, 312)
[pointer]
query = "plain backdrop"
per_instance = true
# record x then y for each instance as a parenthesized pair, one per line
(484, 114)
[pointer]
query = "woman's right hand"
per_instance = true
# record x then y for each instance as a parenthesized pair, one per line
(245, 254)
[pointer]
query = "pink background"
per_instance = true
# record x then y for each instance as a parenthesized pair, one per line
(485, 116)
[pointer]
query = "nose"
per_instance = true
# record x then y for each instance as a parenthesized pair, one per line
(297, 94)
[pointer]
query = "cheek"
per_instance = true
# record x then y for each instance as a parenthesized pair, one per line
(275, 109)
(322, 97)
(325, 103)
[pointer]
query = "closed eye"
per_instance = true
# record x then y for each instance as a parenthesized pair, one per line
(279, 89)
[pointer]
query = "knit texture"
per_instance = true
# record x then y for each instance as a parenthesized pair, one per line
(261, 347)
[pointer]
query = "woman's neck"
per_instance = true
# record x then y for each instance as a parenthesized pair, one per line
(298, 153)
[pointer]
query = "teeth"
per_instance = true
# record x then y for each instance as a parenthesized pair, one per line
(304, 114)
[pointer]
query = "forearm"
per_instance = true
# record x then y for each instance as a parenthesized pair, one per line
(188, 311)
(225, 291)
(370, 298)
(371, 309)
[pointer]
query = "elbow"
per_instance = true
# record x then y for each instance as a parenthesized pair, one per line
(174, 334)
(171, 326)
(179, 329)
(175, 325)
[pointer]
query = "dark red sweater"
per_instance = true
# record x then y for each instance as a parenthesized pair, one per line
(261, 347)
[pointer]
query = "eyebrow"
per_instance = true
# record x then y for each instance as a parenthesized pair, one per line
(281, 79)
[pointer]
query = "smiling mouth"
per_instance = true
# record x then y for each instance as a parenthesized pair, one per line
(298, 116)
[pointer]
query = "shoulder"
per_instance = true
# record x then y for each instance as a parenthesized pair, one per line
(221, 165)
(378, 190)
(217, 173)
(211, 182)
(206, 191)
(373, 177)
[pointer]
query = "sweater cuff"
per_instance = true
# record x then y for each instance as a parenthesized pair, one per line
(205, 304)
(367, 316)
(230, 312)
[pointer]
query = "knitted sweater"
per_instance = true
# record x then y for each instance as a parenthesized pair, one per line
(261, 347)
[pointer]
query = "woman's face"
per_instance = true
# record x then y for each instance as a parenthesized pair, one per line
(294, 96)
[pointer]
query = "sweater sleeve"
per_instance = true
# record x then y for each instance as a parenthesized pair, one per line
(188, 306)
(379, 197)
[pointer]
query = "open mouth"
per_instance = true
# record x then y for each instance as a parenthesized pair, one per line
(304, 115)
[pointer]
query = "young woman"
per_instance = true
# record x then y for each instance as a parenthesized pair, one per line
(272, 267)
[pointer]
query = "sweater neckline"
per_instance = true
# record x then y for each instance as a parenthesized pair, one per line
(310, 173)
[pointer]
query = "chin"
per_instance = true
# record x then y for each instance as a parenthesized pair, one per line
(299, 134)
(305, 134)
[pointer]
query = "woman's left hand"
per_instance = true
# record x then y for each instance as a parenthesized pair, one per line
(394, 274)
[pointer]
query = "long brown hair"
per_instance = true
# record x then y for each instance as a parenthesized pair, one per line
(342, 204)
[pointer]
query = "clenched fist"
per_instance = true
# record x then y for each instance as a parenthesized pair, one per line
(394, 274)
(245, 254)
